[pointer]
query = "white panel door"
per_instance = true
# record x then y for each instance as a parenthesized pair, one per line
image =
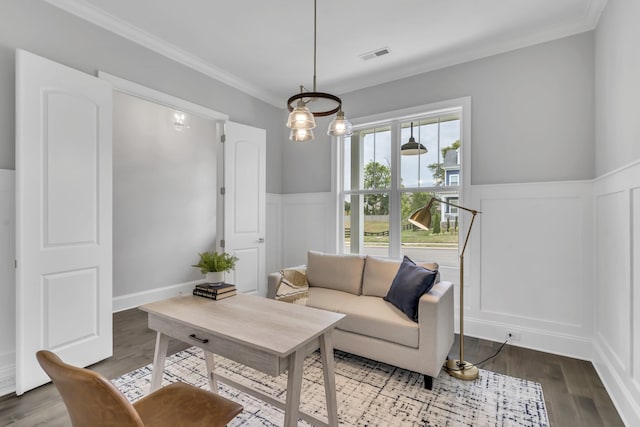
(244, 205)
(63, 216)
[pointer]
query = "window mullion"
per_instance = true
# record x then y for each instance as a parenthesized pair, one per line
(357, 205)
(394, 196)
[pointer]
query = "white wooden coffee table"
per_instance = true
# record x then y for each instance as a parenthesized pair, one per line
(267, 335)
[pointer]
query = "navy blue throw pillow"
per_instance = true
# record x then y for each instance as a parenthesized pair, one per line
(410, 283)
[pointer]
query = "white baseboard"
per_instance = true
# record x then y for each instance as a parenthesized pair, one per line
(551, 342)
(618, 391)
(126, 302)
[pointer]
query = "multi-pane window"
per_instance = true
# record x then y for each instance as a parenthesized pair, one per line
(381, 187)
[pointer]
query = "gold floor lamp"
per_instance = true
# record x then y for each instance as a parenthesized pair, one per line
(422, 218)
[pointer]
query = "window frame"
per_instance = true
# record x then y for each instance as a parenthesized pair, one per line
(395, 119)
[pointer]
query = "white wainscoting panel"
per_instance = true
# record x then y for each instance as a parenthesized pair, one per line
(307, 224)
(531, 266)
(617, 289)
(524, 272)
(273, 233)
(612, 287)
(7, 282)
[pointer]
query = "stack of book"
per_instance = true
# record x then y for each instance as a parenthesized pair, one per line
(215, 290)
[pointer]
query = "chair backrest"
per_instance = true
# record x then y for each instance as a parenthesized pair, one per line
(90, 398)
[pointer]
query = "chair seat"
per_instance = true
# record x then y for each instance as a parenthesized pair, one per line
(180, 404)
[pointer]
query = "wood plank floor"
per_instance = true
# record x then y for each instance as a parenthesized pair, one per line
(573, 392)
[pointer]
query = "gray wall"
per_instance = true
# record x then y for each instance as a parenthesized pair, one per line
(532, 115)
(45, 30)
(164, 196)
(617, 64)
(616, 311)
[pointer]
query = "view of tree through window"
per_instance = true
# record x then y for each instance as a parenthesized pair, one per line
(382, 188)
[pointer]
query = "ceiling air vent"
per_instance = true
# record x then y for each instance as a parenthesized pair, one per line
(374, 54)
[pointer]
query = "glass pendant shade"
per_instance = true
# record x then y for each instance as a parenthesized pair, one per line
(340, 126)
(301, 135)
(301, 118)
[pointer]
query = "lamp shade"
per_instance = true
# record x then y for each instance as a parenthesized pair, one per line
(412, 148)
(301, 117)
(340, 126)
(422, 217)
(301, 135)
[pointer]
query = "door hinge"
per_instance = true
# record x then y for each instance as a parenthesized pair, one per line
(16, 263)
(222, 191)
(222, 242)
(223, 138)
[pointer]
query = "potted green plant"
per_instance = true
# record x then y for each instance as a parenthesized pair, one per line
(214, 264)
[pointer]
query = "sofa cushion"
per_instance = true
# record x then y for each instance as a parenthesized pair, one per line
(380, 272)
(374, 317)
(410, 283)
(340, 272)
(330, 299)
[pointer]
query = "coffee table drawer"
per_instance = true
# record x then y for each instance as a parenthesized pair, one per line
(240, 352)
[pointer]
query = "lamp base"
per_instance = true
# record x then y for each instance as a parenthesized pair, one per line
(461, 370)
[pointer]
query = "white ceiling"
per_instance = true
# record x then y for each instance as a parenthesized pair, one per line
(265, 47)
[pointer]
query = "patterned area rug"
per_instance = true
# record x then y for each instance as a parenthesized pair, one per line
(369, 393)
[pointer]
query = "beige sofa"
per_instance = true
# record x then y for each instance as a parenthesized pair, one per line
(374, 328)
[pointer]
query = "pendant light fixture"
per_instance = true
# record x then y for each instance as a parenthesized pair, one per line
(412, 148)
(301, 118)
(340, 126)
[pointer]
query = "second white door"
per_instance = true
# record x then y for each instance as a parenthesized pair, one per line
(244, 205)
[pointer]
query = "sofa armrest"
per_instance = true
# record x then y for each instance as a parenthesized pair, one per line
(273, 280)
(435, 320)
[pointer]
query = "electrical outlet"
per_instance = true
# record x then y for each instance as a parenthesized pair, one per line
(513, 336)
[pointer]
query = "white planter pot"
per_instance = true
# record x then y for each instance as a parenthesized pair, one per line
(214, 276)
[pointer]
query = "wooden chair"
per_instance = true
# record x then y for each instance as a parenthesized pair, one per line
(94, 401)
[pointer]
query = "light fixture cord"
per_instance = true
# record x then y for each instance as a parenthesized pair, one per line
(315, 23)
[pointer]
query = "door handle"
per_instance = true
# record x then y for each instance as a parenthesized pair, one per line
(261, 240)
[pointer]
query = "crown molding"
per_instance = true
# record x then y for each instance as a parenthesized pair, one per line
(98, 17)
(88, 12)
(594, 12)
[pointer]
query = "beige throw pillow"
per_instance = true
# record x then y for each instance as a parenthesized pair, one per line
(340, 272)
(293, 286)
